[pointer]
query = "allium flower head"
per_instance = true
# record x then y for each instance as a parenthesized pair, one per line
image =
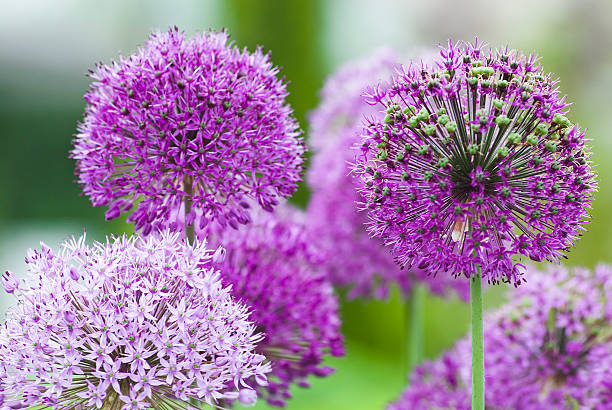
(191, 119)
(274, 268)
(333, 219)
(132, 323)
(548, 348)
(474, 162)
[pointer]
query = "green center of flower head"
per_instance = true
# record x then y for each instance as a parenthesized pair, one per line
(485, 130)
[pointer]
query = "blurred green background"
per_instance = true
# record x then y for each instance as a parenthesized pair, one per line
(47, 47)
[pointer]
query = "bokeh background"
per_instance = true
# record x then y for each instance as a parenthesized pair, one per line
(46, 48)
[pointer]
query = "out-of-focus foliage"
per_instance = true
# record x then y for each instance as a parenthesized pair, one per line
(46, 48)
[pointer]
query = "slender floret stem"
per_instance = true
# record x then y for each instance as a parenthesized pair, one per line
(478, 384)
(415, 327)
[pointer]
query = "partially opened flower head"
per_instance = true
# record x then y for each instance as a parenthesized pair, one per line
(354, 259)
(275, 268)
(131, 323)
(475, 161)
(187, 119)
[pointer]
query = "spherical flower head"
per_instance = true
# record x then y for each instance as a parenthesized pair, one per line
(435, 385)
(339, 227)
(547, 348)
(131, 323)
(275, 269)
(187, 119)
(473, 163)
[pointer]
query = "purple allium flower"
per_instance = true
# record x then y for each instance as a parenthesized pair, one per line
(435, 385)
(274, 267)
(187, 119)
(473, 163)
(130, 323)
(332, 216)
(548, 348)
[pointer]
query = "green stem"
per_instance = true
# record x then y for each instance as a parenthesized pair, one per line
(478, 381)
(415, 327)
(189, 229)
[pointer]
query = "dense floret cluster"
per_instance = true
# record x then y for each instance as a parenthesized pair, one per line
(474, 162)
(189, 126)
(132, 323)
(548, 348)
(275, 268)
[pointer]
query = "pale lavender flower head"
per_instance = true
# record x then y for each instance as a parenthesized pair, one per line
(187, 118)
(474, 162)
(548, 348)
(333, 219)
(128, 323)
(435, 385)
(274, 267)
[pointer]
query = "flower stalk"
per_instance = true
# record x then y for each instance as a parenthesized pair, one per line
(415, 327)
(478, 381)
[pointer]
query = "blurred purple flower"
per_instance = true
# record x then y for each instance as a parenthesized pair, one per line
(193, 119)
(354, 260)
(148, 322)
(548, 348)
(473, 163)
(276, 269)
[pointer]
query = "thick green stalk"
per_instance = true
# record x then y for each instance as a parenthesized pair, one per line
(415, 327)
(478, 381)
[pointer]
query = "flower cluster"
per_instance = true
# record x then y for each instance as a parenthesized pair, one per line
(187, 126)
(474, 162)
(548, 348)
(274, 268)
(133, 323)
(332, 215)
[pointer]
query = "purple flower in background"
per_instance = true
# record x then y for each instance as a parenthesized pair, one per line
(332, 215)
(548, 348)
(435, 385)
(191, 120)
(274, 267)
(145, 321)
(473, 163)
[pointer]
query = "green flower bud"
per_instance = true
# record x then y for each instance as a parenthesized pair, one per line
(451, 126)
(502, 120)
(430, 129)
(541, 129)
(514, 138)
(532, 139)
(443, 119)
